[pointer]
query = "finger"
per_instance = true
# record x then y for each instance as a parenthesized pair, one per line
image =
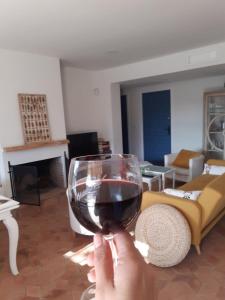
(90, 259)
(125, 245)
(91, 275)
(103, 263)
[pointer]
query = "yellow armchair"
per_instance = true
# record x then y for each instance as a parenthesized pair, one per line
(195, 167)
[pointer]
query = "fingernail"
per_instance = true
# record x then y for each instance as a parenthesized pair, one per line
(98, 240)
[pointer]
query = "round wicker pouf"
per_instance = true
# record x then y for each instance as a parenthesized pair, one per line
(166, 232)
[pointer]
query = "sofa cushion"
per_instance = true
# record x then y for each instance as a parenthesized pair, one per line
(183, 157)
(216, 162)
(213, 169)
(212, 199)
(187, 195)
(198, 183)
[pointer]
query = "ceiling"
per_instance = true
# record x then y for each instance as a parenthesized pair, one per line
(99, 34)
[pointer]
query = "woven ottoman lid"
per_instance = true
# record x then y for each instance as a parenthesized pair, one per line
(166, 232)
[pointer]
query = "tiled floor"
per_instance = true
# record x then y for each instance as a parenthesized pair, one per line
(45, 236)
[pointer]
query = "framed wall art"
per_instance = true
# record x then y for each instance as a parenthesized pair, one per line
(34, 116)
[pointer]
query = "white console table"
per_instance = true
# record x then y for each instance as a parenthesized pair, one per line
(6, 205)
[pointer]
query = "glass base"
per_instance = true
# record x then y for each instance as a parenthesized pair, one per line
(89, 293)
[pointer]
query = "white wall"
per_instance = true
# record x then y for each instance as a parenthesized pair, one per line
(27, 73)
(135, 128)
(85, 110)
(186, 112)
(92, 104)
(77, 95)
(116, 118)
(177, 62)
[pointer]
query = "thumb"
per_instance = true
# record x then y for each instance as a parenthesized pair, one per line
(103, 263)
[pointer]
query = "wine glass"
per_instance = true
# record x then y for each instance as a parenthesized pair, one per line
(104, 194)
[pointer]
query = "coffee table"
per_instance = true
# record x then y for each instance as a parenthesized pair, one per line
(160, 171)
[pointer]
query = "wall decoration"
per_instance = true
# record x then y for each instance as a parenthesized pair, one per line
(34, 116)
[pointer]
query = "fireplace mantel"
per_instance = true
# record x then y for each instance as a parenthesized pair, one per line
(35, 145)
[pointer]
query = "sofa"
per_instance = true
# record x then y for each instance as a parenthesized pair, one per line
(201, 214)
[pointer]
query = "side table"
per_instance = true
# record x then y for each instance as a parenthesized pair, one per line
(160, 171)
(149, 179)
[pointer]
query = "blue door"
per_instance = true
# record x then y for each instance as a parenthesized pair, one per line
(156, 126)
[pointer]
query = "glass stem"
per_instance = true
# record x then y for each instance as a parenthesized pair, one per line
(112, 245)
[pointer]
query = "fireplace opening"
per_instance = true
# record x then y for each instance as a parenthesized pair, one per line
(29, 181)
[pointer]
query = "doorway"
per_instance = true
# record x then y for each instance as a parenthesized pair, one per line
(156, 126)
(124, 119)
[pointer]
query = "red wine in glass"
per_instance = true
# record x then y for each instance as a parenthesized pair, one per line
(109, 207)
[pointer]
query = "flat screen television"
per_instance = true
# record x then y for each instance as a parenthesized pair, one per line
(83, 144)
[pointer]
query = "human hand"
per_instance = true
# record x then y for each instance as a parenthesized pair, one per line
(129, 280)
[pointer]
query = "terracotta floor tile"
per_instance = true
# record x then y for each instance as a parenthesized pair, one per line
(33, 291)
(45, 236)
(31, 298)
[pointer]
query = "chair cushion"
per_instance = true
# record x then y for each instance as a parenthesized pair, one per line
(183, 157)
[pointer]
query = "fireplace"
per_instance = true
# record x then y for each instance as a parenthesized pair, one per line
(27, 155)
(30, 180)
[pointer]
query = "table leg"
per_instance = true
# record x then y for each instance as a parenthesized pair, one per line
(163, 181)
(150, 185)
(159, 183)
(13, 232)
